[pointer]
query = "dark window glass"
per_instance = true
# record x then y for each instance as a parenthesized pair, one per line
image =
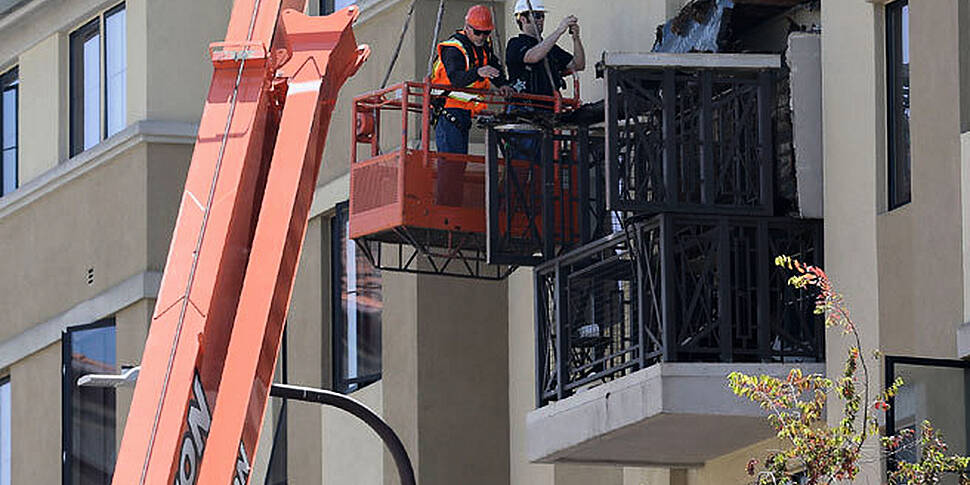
(331, 6)
(357, 307)
(900, 166)
(8, 133)
(5, 431)
(115, 68)
(89, 412)
(936, 390)
(85, 87)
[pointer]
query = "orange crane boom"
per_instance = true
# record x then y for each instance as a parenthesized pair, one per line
(215, 334)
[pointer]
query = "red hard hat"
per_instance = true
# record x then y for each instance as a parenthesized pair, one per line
(480, 17)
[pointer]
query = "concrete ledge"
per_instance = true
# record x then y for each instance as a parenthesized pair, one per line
(128, 292)
(147, 131)
(672, 414)
(691, 60)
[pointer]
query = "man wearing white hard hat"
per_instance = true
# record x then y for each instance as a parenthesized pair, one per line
(526, 55)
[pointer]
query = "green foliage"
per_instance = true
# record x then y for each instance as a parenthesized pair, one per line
(824, 452)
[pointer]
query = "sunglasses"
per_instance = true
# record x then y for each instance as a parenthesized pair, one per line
(482, 33)
(535, 15)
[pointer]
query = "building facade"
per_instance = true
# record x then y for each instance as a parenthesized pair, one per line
(867, 109)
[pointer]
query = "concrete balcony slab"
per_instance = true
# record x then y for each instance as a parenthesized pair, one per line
(669, 414)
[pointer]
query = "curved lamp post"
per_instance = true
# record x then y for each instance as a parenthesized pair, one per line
(299, 393)
(362, 412)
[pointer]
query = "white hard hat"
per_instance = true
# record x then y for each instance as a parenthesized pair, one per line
(522, 6)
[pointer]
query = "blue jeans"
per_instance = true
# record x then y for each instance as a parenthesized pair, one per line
(452, 138)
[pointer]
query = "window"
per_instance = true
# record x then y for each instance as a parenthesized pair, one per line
(98, 87)
(897, 48)
(8, 133)
(5, 431)
(937, 390)
(331, 6)
(88, 426)
(357, 306)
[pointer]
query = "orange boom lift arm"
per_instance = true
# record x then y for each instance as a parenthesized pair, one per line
(215, 334)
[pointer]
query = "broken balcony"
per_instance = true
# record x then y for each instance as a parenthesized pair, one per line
(690, 133)
(709, 172)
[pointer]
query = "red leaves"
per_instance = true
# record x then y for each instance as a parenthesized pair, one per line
(750, 468)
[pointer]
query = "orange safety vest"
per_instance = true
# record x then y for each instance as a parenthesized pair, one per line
(471, 102)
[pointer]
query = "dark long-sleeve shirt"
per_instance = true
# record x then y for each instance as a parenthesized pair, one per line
(454, 62)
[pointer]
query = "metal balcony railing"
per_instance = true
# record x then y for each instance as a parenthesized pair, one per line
(674, 288)
(543, 191)
(693, 136)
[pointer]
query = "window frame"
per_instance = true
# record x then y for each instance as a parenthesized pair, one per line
(5, 381)
(327, 6)
(338, 317)
(894, 152)
(96, 26)
(67, 392)
(121, 7)
(10, 80)
(890, 362)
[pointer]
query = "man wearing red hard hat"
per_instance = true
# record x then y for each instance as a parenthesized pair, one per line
(465, 60)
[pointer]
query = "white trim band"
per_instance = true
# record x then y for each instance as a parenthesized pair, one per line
(691, 60)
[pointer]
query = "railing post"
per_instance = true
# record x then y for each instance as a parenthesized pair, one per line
(641, 276)
(706, 130)
(612, 140)
(667, 289)
(548, 195)
(541, 339)
(582, 167)
(763, 275)
(562, 336)
(725, 291)
(766, 106)
(671, 173)
(491, 193)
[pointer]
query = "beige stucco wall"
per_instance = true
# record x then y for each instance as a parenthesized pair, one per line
(730, 468)
(352, 452)
(853, 152)
(851, 121)
(131, 330)
(965, 204)
(445, 379)
(91, 222)
(35, 390)
(39, 19)
(177, 37)
(522, 378)
(43, 97)
(964, 40)
(308, 353)
(381, 31)
(897, 269)
(920, 286)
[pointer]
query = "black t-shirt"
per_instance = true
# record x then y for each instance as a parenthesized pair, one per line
(532, 78)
